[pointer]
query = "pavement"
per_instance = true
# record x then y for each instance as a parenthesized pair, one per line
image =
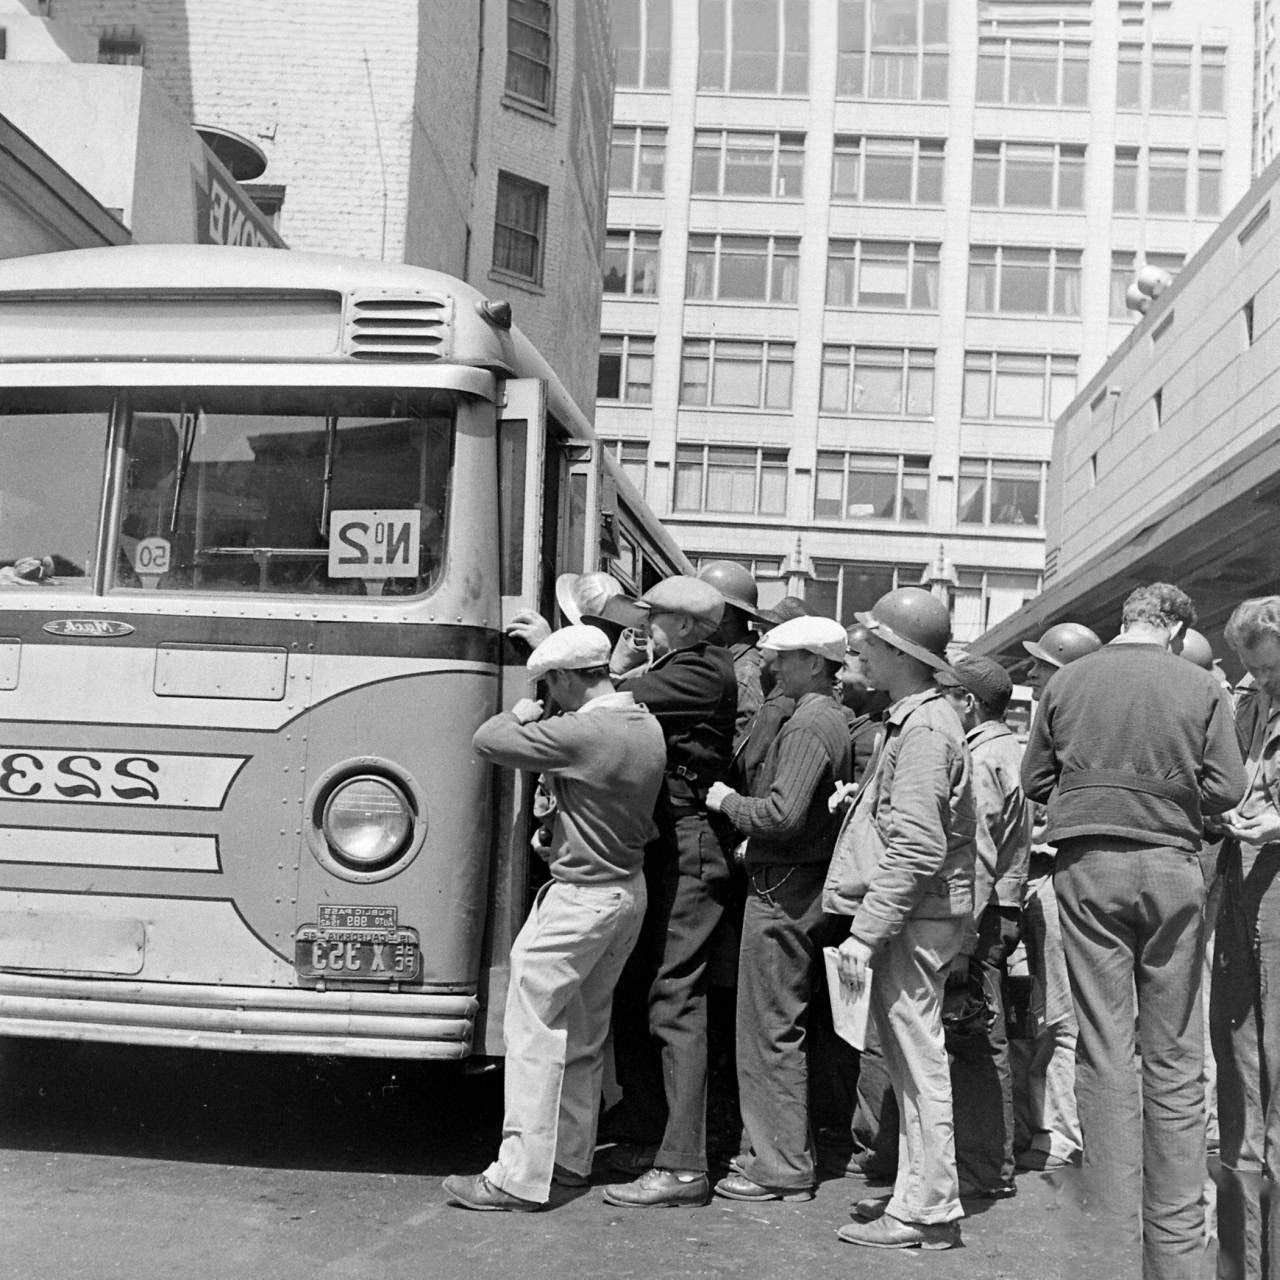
(120, 1162)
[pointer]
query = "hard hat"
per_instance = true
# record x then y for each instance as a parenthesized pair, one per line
(570, 649)
(914, 621)
(1064, 642)
(822, 636)
(856, 635)
(579, 593)
(690, 596)
(1196, 648)
(735, 583)
(787, 608)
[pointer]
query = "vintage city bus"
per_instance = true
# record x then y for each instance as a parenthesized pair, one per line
(263, 516)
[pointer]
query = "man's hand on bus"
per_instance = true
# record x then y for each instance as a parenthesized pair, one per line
(527, 710)
(529, 626)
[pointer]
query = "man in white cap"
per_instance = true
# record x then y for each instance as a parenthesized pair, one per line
(790, 833)
(604, 761)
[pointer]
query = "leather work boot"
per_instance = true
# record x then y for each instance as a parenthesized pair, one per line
(869, 1208)
(887, 1232)
(478, 1192)
(737, 1186)
(660, 1188)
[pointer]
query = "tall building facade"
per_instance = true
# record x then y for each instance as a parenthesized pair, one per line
(862, 253)
(471, 138)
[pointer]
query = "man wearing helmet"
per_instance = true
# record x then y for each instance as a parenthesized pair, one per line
(903, 869)
(735, 583)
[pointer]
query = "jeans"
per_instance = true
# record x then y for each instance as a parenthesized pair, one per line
(907, 981)
(782, 931)
(1132, 920)
(564, 964)
(1244, 1020)
(662, 1060)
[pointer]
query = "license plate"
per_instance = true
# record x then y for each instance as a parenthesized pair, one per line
(352, 955)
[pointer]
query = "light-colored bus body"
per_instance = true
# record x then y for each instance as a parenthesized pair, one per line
(178, 748)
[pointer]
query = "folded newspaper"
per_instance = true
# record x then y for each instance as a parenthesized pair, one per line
(848, 1010)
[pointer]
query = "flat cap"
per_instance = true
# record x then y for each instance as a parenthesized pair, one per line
(823, 636)
(787, 608)
(985, 678)
(686, 595)
(570, 649)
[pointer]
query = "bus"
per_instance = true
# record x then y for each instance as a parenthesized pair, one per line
(263, 517)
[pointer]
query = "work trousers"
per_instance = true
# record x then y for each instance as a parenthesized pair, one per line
(908, 975)
(1244, 1020)
(1132, 921)
(782, 933)
(662, 1063)
(981, 1082)
(564, 965)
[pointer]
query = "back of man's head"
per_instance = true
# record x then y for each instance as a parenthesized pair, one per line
(1158, 604)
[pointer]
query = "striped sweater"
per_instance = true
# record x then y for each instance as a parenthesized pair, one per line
(786, 818)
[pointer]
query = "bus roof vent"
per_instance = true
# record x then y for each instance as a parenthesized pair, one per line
(384, 327)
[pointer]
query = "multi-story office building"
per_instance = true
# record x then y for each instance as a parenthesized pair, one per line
(862, 253)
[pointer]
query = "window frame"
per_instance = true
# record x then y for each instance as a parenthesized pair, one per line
(1059, 155)
(1062, 40)
(774, 356)
(781, 143)
(774, 260)
(874, 463)
(649, 14)
(791, 20)
(911, 358)
(859, 147)
(633, 237)
(1056, 271)
(547, 102)
(987, 474)
(926, 60)
(769, 460)
(987, 364)
(626, 353)
(920, 255)
(640, 137)
(539, 236)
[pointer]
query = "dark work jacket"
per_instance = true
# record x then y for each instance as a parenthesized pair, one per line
(694, 694)
(749, 754)
(1134, 743)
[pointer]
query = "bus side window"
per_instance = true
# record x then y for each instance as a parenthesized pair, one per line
(513, 438)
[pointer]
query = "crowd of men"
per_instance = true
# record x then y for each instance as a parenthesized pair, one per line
(719, 781)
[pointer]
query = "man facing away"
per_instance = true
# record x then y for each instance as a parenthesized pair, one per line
(1130, 748)
(903, 869)
(790, 832)
(603, 761)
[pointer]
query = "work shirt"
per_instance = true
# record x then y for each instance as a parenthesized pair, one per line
(786, 818)
(747, 662)
(1003, 827)
(749, 755)
(906, 848)
(603, 766)
(1258, 729)
(1133, 743)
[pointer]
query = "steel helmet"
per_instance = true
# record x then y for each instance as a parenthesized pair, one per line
(913, 621)
(1064, 642)
(1196, 648)
(735, 583)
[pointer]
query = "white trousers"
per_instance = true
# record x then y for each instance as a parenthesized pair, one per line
(564, 966)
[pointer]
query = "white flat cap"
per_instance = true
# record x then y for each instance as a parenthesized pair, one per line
(570, 649)
(823, 636)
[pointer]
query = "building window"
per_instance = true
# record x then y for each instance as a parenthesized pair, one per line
(1167, 180)
(749, 482)
(1209, 184)
(1213, 80)
(888, 170)
(633, 457)
(1124, 271)
(729, 163)
(984, 598)
(1030, 72)
(734, 374)
(631, 263)
(840, 590)
(748, 268)
(121, 49)
(892, 49)
(1171, 78)
(642, 43)
(753, 46)
(625, 368)
(4, 43)
(1027, 176)
(529, 51)
(519, 228)
(637, 159)
(1124, 192)
(1017, 387)
(1038, 282)
(871, 486)
(1129, 78)
(995, 492)
(884, 274)
(877, 380)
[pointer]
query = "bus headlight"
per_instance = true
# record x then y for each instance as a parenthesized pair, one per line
(367, 821)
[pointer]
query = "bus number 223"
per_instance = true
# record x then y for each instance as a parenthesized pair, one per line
(76, 777)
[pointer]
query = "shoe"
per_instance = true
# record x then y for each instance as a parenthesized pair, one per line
(997, 1191)
(886, 1232)
(840, 1165)
(1033, 1160)
(660, 1188)
(478, 1192)
(737, 1186)
(869, 1209)
(563, 1177)
(630, 1158)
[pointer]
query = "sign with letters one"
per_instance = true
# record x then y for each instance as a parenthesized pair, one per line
(374, 544)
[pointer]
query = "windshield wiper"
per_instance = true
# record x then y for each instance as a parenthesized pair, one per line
(187, 431)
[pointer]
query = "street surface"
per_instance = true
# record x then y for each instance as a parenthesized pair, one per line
(121, 1162)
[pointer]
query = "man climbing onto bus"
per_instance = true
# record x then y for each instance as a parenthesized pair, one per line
(603, 762)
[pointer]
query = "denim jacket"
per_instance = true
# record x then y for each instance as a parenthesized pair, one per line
(906, 848)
